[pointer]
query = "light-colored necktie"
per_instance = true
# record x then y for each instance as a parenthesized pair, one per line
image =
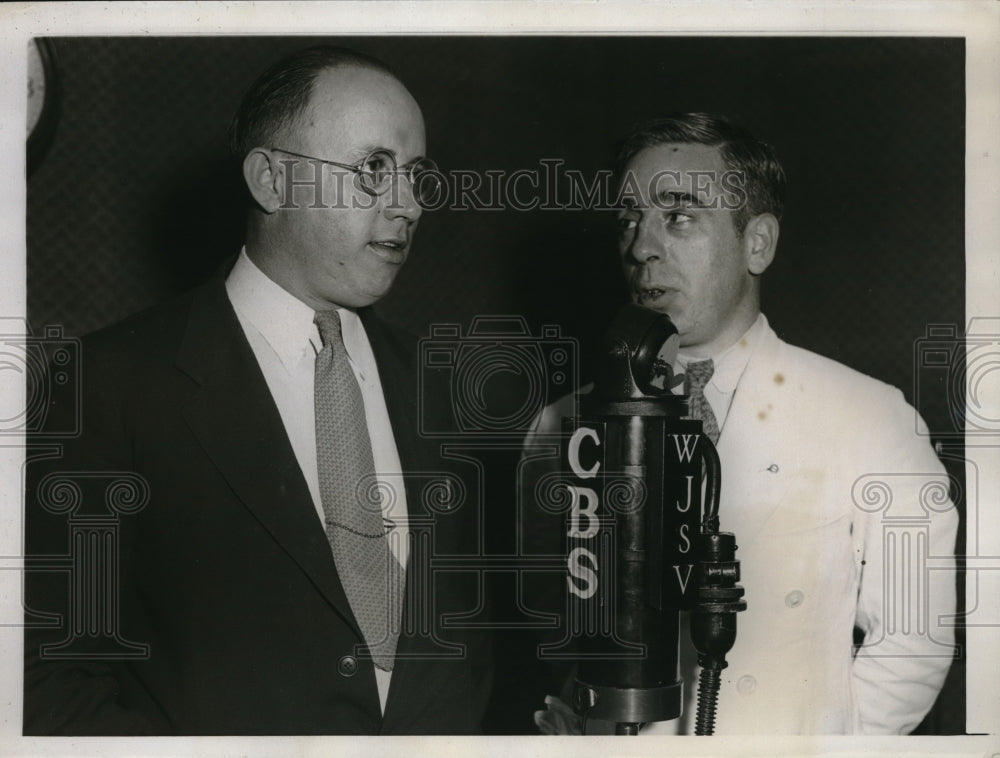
(369, 572)
(697, 375)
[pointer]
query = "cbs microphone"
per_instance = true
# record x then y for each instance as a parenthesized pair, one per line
(643, 535)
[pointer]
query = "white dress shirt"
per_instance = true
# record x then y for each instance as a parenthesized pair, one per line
(285, 342)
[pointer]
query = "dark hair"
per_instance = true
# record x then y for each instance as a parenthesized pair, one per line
(756, 161)
(281, 94)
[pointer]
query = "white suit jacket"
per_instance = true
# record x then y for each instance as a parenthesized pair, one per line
(842, 517)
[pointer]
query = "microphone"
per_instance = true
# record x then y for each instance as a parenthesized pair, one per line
(641, 546)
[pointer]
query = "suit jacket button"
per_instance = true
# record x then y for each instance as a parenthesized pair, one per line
(794, 599)
(348, 665)
(746, 684)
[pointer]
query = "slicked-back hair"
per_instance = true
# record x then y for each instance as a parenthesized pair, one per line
(756, 161)
(277, 99)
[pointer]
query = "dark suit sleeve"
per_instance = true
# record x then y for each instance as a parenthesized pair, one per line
(84, 687)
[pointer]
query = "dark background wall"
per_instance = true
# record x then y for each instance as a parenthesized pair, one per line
(136, 200)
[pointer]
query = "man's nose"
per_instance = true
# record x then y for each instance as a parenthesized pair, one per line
(647, 247)
(400, 201)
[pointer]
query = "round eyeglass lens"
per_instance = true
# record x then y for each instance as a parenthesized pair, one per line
(426, 182)
(377, 170)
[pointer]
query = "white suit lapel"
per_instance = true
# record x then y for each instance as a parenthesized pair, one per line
(750, 446)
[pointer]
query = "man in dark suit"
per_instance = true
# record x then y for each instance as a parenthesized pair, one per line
(264, 427)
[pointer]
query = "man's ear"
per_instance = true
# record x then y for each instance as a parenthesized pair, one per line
(264, 177)
(760, 239)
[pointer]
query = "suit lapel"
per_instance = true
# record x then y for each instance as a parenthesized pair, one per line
(235, 419)
(749, 443)
(416, 672)
(395, 368)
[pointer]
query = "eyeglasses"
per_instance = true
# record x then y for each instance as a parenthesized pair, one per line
(375, 171)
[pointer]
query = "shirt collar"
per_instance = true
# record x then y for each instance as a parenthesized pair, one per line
(285, 322)
(731, 362)
(356, 343)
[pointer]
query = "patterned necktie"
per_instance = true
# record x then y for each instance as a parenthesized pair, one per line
(369, 572)
(696, 377)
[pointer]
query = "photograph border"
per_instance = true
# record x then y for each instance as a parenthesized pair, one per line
(977, 22)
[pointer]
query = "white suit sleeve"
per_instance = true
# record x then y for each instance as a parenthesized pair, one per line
(906, 604)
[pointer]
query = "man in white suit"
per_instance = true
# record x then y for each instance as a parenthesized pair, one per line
(839, 506)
